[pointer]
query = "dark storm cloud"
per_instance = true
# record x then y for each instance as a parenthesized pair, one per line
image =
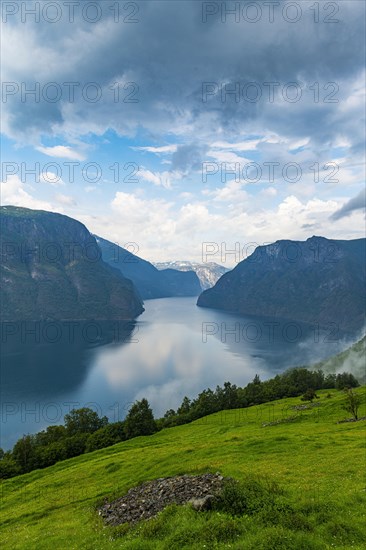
(170, 54)
(357, 203)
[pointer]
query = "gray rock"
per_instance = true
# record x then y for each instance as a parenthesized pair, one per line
(147, 500)
(201, 504)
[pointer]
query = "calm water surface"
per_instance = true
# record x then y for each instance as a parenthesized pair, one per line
(174, 349)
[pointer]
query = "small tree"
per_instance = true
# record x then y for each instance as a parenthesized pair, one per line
(353, 402)
(140, 420)
(309, 395)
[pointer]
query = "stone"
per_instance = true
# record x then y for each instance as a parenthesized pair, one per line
(147, 500)
(201, 504)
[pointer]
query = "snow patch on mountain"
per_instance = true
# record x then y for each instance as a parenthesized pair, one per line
(208, 273)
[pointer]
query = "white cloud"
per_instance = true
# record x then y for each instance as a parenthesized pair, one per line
(299, 143)
(61, 151)
(160, 179)
(165, 231)
(269, 192)
(140, 213)
(186, 195)
(51, 178)
(13, 192)
(228, 157)
(231, 192)
(249, 145)
(66, 200)
(163, 149)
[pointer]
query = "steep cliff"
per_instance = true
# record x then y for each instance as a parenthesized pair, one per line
(51, 268)
(318, 281)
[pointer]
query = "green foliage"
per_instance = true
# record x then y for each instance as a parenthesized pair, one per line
(51, 453)
(76, 444)
(346, 380)
(185, 406)
(309, 395)
(140, 420)
(57, 443)
(106, 436)
(8, 466)
(249, 496)
(227, 396)
(84, 420)
(51, 435)
(24, 453)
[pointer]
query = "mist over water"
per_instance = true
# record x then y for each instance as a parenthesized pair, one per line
(174, 349)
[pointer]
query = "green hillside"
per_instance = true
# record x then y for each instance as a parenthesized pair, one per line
(318, 463)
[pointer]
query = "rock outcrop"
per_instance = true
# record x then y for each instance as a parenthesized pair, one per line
(148, 499)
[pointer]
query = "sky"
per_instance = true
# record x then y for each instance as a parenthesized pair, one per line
(190, 129)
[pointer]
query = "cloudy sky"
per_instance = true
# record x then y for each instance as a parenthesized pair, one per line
(171, 124)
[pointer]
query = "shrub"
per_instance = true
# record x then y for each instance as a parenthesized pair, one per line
(246, 497)
(309, 395)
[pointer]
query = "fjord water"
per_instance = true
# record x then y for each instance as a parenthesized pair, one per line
(174, 349)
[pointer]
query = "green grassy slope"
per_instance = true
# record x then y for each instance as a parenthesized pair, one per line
(320, 465)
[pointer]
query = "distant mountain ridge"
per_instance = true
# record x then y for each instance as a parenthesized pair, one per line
(317, 281)
(208, 273)
(51, 268)
(149, 281)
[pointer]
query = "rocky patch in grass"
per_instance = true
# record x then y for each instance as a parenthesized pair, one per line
(147, 500)
(287, 420)
(308, 406)
(351, 420)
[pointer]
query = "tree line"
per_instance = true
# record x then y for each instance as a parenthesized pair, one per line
(85, 431)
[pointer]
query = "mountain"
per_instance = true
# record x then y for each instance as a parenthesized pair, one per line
(318, 281)
(51, 268)
(208, 273)
(149, 281)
